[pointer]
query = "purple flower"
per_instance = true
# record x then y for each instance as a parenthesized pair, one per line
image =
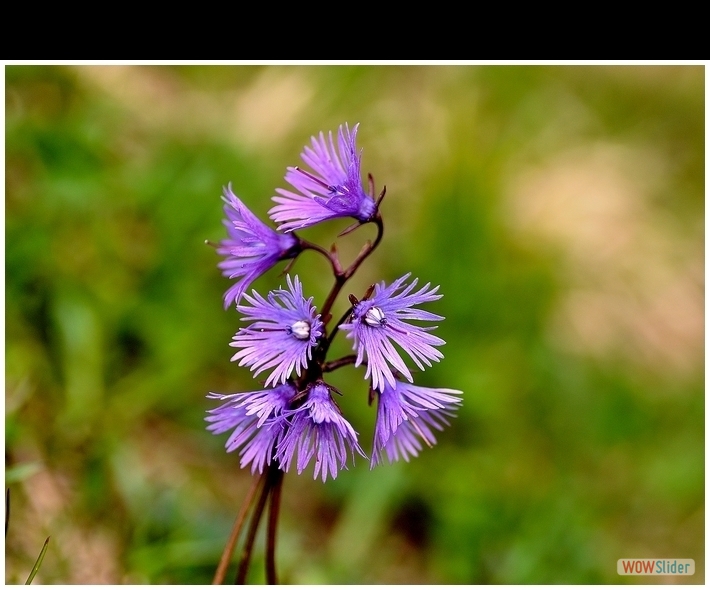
(252, 247)
(257, 419)
(405, 414)
(377, 322)
(334, 189)
(284, 332)
(317, 428)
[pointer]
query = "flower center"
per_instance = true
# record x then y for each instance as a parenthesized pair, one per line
(300, 330)
(375, 317)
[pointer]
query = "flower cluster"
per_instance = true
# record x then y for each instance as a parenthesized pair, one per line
(295, 418)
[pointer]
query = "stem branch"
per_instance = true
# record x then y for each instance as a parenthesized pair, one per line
(333, 259)
(342, 276)
(337, 363)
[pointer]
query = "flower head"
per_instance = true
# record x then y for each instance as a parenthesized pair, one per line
(405, 414)
(286, 328)
(257, 420)
(334, 189)
(317, 428)
(252, 247)
(377, 322)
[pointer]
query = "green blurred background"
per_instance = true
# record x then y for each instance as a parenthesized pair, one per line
(561, 209)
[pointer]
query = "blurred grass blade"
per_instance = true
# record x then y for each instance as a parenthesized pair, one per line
(7, 509)
(38, 563)
(21, 472)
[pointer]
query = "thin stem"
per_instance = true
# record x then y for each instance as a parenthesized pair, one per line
(335, 330)
(368, 249)
(337, 363)
(277, 482)
(342, 277)
(236, 529)
(339, 282)
(333, 259)
(251, 534)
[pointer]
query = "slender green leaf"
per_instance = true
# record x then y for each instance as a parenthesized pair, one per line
(38, 563)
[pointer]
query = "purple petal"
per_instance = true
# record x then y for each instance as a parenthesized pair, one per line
(405, 415)
(257, 422)
(318, 429)
(252, 247)
(284, 331)
(334, 188)
(379, 322)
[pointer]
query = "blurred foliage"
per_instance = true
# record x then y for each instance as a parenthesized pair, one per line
(561, 209)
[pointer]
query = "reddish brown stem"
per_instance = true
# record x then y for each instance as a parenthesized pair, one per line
(332, 258)
(236, 529)
(329, 341)
(245, 557)
(274, 504)
(343, 276)
(341, 362)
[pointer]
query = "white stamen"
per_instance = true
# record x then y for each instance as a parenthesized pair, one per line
(301, 330)
(375, 317)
